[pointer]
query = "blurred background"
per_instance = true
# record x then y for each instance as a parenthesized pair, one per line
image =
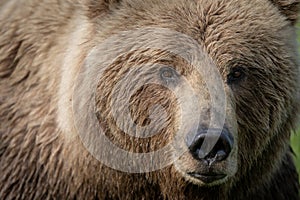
(295, 140)
(296, 147)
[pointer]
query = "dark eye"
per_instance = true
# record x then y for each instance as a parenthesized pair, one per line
(168, 74)
(235, 75)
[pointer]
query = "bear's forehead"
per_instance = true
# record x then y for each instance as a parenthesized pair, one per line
(227, 30)
(200, 14)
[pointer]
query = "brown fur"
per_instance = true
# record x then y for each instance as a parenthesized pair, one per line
(42, 157)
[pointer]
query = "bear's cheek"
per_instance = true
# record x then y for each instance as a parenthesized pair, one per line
(257, 112)
(142, 121)
(261, 106)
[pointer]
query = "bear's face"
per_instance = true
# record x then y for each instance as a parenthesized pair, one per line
(203, 81)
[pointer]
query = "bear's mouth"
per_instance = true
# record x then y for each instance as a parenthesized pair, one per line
(207, 177)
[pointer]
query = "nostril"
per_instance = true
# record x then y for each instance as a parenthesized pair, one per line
(221, 155)
(197, 143)
(223, 147)
(223, 144)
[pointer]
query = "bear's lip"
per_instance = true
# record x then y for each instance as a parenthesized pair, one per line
(207, 177)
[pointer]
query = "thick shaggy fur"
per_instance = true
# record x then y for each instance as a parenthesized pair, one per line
(43, 44)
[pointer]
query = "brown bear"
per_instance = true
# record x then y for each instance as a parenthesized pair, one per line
(128, 99)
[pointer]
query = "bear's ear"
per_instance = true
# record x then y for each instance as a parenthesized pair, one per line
(289, 8)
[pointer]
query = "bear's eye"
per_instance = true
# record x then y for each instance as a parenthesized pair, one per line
(168, 74)
(235, 75)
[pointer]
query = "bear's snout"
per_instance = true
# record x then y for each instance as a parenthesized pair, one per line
(211, 145)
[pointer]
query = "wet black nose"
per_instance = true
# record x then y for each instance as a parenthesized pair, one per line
(213, 145)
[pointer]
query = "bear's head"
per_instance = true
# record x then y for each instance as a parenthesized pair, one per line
(208, 88)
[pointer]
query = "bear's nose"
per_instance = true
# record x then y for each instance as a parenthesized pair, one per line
(213, 145)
